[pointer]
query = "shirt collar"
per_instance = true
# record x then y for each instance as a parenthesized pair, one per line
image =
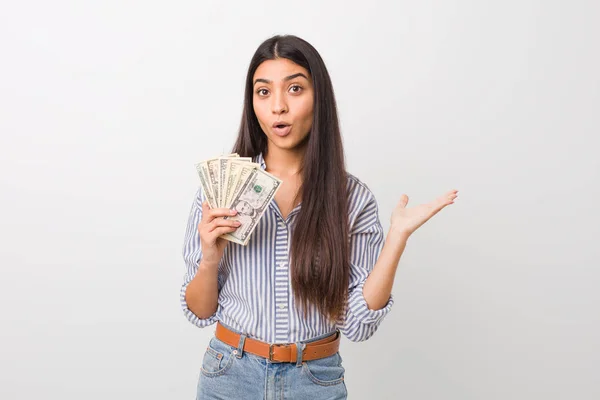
(261, 161)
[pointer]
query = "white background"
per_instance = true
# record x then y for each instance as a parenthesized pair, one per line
(105, 107)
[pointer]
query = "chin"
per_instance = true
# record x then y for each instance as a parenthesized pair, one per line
(288, 143)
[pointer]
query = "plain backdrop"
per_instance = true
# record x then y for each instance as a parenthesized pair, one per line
(105, 107)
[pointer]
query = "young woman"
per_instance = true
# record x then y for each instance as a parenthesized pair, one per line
(317, 265)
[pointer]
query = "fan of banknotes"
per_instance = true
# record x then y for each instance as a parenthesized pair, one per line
(234, 182)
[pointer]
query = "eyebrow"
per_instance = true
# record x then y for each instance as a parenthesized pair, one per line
(287, 78)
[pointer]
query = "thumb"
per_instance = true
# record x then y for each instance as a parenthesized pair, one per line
(403, 201)
(205, 210)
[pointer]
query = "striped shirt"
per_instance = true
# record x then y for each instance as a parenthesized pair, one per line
(254, 281)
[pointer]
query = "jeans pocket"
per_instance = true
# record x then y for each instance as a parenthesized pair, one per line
(325, 371)
(217, 359)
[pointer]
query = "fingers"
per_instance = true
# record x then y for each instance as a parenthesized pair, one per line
(447, 198)
(450, 196)
(218, 223)
(209, 214)
(223, 230)
(214, 225)
(443, 201)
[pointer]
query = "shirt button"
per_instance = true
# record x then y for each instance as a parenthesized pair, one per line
(282, 306)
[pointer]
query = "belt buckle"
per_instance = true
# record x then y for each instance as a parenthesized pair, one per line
(271, 351)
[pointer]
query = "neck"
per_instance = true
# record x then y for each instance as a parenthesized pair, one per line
(284, 162)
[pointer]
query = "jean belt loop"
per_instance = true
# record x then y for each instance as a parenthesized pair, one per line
(299, 350)
(240, 348)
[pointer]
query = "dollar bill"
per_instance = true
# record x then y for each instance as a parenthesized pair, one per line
(243, 175)
(213, 179)
(235, 182)
(224, 171)
(231, 176)
(202, 170)
(251, 201)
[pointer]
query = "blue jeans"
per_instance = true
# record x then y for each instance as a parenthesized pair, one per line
(227, 373)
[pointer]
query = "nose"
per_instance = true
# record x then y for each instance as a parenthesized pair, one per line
(279, 105)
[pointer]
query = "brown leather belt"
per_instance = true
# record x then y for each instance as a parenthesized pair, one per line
(281, 352)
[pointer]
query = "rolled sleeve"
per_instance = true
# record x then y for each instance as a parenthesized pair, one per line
(192, 254)
(360, 310)
(359, 322)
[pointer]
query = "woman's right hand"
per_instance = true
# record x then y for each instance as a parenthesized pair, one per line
(210, 228)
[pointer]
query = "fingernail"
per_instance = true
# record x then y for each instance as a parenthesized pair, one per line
(233, 212)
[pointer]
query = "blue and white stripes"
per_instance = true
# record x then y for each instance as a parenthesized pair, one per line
(255, 293)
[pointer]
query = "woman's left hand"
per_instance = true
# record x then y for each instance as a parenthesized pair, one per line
(407, 220)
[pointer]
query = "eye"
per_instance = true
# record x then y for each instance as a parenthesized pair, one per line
(298, 87)
(261, 91)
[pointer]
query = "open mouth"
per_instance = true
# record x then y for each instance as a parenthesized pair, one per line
(281, 129)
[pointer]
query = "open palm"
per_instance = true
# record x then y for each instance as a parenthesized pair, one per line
(407, 220)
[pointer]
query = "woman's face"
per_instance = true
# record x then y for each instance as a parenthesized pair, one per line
(283, 102)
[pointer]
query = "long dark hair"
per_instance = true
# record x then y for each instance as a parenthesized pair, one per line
(320, 265)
